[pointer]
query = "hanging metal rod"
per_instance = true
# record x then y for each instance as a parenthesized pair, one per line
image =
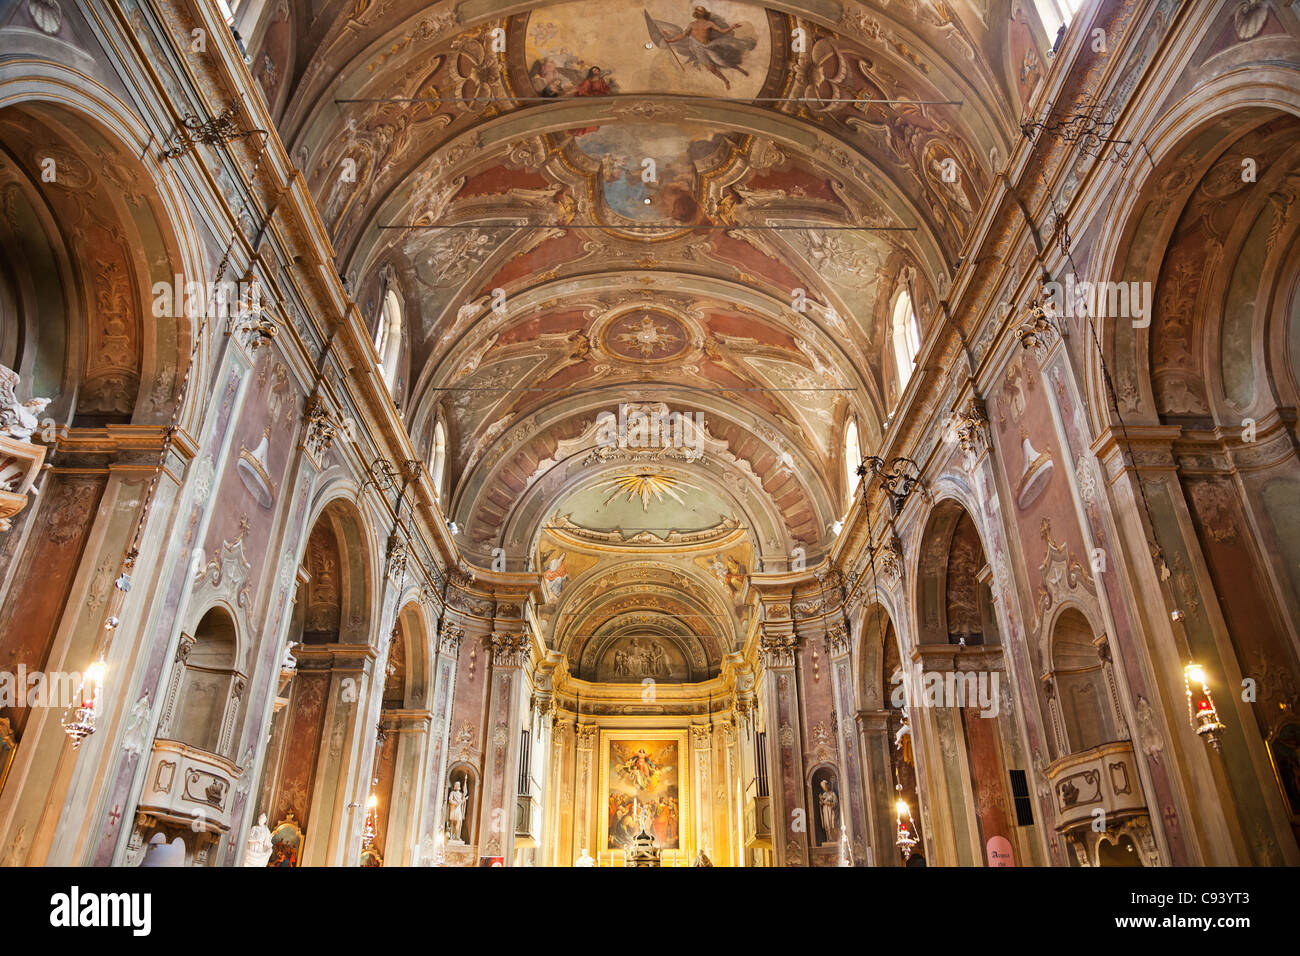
(599, 388)
(668, 97)
(655, 227)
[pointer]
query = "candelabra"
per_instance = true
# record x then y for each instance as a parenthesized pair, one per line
(79, 722)
(906, 841)
(1088, 126)
(1201, 712)
(372, 822)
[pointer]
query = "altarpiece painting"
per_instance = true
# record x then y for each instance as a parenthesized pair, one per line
(643, 786)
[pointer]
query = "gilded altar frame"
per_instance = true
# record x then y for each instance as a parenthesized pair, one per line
(288, 827)
(686, 822)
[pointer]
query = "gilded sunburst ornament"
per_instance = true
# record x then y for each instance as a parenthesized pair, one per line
(643, 486)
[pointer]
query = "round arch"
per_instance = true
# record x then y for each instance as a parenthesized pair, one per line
(83, 118)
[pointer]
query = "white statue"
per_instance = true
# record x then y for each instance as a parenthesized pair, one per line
(258, 849)
(830, 811)
(290, 662)
(584, 859)
(455, 814)
(136, 736)
(17, 420)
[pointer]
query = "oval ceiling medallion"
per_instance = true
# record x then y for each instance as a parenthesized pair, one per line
(646, 335)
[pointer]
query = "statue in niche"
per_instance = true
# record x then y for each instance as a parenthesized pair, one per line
(829, 807)
(258, 849)
(455, 814)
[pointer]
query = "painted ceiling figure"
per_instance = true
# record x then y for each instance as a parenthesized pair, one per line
(707, 43)
(594, 84)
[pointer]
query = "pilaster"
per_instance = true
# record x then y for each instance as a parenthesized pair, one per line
(779, 646)
(510, 652)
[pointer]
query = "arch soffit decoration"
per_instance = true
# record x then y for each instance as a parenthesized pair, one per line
(359, 550)
(76, 104)
(1261, 90)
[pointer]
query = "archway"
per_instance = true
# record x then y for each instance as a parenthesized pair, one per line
(87, 233)
(206, 709)
(1212, 235)
(399, 779)
(954, 690)
(315, 733)
(1080, 705)
(887, 729)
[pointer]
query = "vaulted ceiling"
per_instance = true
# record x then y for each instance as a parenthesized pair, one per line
(717, 224)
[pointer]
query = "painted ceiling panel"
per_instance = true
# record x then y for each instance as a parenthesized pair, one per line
(651, 205)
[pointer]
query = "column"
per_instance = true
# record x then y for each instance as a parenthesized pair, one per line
(510, 651)
(444, 684)
(583, 830)
(874, 745)
(401, 842)
(779, 646)
(853, 813)
(701, 747)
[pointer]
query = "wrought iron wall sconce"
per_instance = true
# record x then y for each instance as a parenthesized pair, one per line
(192, 131)
(899, 481)
(385, 476)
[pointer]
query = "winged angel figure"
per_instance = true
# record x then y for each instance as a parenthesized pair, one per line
(707, 43)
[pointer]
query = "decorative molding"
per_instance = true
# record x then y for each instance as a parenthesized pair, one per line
(778, 650)
(510, 650)
(837, 641)
(970, 427)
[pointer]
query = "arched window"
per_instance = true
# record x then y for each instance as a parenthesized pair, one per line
(438, 458)
(388, 338)
(1055, 15)
(906, 337)
(852, 456)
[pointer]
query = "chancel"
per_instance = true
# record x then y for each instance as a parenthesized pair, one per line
(649, 434)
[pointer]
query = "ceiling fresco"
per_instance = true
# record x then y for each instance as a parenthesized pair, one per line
(703, 209)
(660, 46)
